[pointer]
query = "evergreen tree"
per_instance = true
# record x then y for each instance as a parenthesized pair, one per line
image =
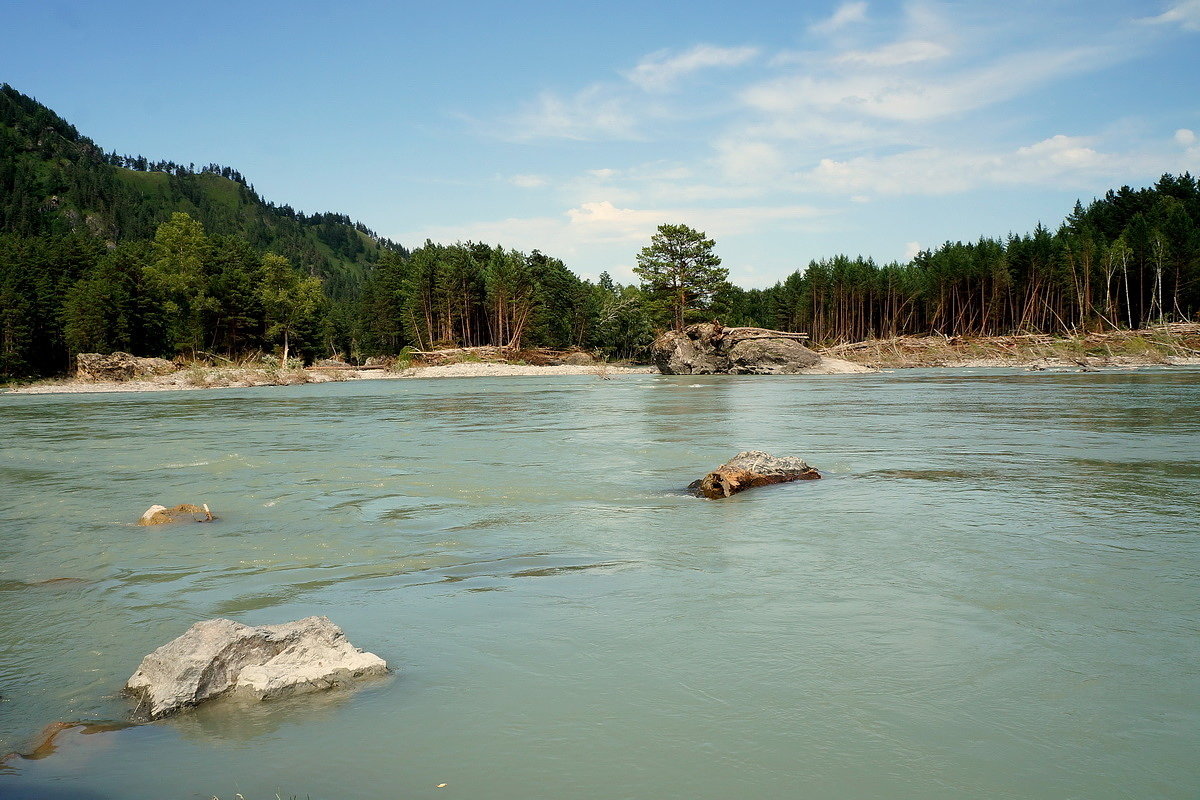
(289, 301)
(680, 268)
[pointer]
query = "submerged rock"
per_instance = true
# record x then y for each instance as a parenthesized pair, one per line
(161, 515)
(264, 662)
(120, 366)
(752, 468)
(710, 348)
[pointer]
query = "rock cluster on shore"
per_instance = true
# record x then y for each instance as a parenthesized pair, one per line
(710, 349)
(269, 661)
(120, 366)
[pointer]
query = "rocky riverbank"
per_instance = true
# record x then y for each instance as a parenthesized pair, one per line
(1176, 344)
(204, 377)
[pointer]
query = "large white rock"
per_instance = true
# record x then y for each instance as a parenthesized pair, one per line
(268, 661)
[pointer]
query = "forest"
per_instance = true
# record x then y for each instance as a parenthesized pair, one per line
(102, 252)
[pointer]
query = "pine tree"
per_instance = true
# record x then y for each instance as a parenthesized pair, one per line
(680, 267)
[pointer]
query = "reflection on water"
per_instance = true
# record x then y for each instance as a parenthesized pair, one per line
(992, 595)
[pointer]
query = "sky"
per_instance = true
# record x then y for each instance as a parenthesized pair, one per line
(787, 131)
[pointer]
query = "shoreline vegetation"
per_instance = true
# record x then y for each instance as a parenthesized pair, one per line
(101, 252)
(1175, 344)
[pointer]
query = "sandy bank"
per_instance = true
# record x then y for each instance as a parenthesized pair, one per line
(217, 378)
(489, 369)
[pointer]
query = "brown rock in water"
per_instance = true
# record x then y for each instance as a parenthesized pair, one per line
(709, 348)
(120, 366)
(752, 468)
(161, 515)
(264, 662)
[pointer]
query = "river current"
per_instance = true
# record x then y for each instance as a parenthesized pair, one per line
(993, 593)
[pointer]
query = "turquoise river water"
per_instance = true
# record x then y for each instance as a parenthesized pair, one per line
(994, 593)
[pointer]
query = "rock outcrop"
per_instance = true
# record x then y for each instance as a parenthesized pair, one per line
(710, 348)
(752, 468)
(579, 358)
(161, 515)
(264, 662)
(120, 367)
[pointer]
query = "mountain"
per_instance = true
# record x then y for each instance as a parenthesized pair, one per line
(54, 181)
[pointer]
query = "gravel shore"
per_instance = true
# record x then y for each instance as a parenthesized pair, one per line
(244, 379)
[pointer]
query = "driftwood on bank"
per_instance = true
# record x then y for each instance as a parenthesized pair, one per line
(1156, 344)
(534, 356)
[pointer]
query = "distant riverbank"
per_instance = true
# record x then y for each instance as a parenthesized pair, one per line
(1176, 344)
(200, 377)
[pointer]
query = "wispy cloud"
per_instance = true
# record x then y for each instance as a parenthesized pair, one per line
(595, 112)
(897, 54)
(660, 71)
(880, 105)
(846, 14)
(1185, 14)
(907, 96)
(528, 181)
(1058, 161)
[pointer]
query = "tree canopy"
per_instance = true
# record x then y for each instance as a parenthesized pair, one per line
(680, 270)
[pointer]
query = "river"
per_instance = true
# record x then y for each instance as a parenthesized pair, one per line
(994, 592)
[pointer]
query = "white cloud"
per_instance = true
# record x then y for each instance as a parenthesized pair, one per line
(1059, 161)
(659, 71)
(595, 112)
(601, 224)
(527, 181)
(894, 95)
(896, 54)
(746, 161)
(1185, 14)
(846, 14)
(1185, 137)
(911, 249)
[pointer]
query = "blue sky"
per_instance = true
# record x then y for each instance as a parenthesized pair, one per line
(786, 131)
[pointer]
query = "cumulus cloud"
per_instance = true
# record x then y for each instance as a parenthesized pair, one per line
(845, 14)
(1185, 137)
(660, 71)
(911, 249)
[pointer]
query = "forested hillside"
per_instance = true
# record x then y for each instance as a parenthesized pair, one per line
(54, 182)
(100, 252)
